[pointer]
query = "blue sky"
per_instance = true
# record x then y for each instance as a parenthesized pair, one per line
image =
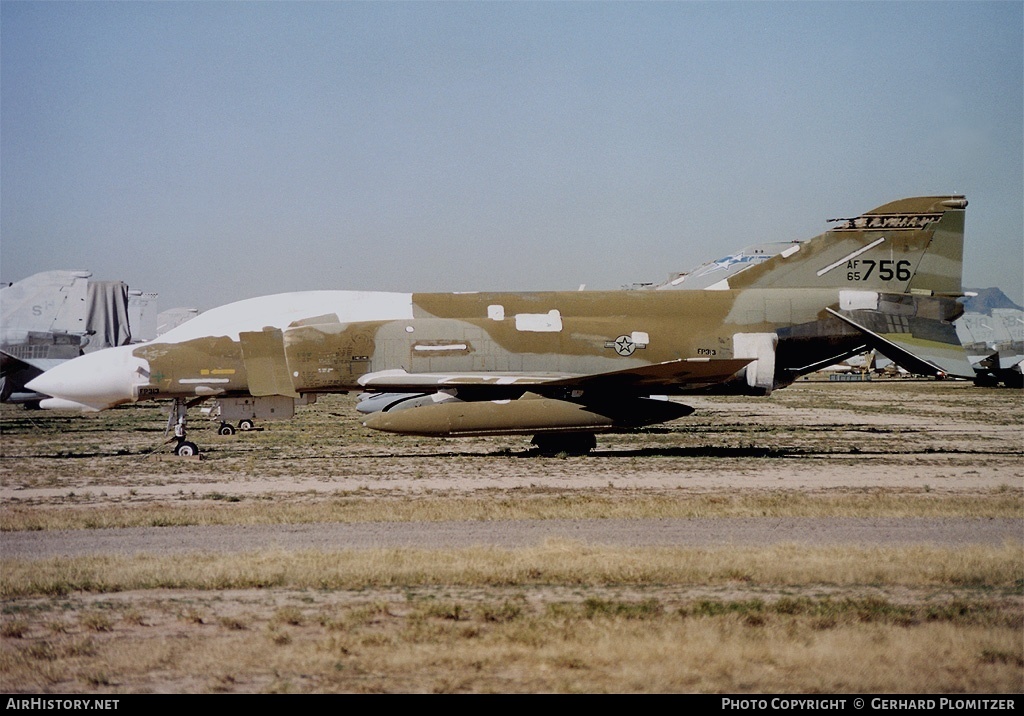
(214, 151)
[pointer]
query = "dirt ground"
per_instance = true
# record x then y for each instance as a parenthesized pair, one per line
(943, 438)
(817, 437)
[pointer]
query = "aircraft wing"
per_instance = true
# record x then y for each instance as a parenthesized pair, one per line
(15, 372)
(685, 373)
(10, 364)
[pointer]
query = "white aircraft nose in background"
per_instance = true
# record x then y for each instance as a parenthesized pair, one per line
(94, 381)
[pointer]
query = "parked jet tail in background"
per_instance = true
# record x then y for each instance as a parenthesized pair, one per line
(563, 366)
(54, 316)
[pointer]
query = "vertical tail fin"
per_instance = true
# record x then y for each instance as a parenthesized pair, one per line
(47, 302)
(908, 246)
(42, 322)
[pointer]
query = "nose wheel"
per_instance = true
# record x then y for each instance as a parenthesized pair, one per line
(186, 449)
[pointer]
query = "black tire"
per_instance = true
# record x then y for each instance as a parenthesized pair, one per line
(246, 424)
(186, 449)
(226, 429)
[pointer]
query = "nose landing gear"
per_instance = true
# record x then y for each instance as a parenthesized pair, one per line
(186, 449)
(176, 421)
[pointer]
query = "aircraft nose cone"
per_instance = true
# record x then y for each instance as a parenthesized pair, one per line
(98, 380)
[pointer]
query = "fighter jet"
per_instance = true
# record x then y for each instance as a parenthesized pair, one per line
(563, 366)
(994, 342)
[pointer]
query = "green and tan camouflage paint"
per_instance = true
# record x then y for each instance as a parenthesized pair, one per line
(823, 298)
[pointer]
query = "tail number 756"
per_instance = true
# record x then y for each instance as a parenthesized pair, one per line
(887, 270)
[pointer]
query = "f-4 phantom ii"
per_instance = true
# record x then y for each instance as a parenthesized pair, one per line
(562, 366)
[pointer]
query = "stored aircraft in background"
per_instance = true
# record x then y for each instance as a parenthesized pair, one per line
(54, 316)
(562, 366)
(994, 341)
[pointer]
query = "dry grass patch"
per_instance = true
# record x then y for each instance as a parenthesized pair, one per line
(563, 617)
(529, 640)
(557, 562)
(536, 504)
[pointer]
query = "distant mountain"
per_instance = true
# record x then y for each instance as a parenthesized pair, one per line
(986, 300)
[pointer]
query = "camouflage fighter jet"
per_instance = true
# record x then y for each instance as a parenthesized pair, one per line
(562, 366)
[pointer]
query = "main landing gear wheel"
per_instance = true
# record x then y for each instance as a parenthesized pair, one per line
(549, 444)
(246, 424)
(186, 449)
(226, 429)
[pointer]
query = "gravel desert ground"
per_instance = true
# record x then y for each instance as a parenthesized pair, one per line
(813, 436)
(885, 464)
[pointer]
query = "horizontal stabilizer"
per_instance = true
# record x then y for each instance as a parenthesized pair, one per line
(10, 363)
(925, 356)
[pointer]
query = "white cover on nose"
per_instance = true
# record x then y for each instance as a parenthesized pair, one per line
(98, 380)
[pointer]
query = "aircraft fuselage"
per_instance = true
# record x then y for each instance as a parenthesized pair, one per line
(549, 333)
